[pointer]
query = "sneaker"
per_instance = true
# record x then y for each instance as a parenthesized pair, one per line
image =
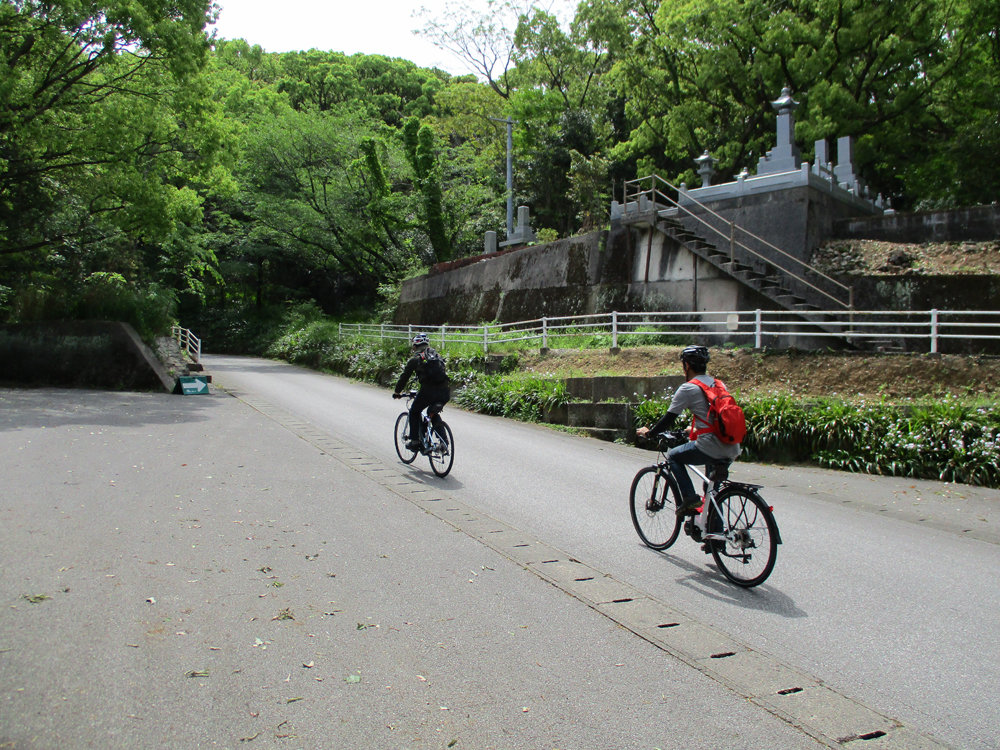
(690, 506)
(412, 445)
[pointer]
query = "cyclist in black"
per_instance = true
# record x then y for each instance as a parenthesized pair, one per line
(704, 446)
(429, 368)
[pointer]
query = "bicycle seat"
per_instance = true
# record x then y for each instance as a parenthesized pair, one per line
(718, 472)
(435, 408)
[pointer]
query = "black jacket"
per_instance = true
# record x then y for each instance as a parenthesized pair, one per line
(417, 364)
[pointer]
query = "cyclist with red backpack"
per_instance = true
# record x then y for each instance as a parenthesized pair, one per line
(430, 370)
(716, 430)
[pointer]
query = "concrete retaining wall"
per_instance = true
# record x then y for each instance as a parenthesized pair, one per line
(623, 389)
(974, 224)
(597, 272)
(574, 276)
(926, 292)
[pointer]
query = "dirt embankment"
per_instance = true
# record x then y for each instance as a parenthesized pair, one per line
(847, 375)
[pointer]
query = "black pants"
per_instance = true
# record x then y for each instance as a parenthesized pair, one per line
(428, 394)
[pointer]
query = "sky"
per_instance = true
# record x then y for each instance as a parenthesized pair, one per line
(385, 27)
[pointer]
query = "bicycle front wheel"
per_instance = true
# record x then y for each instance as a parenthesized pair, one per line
(442, 449)
(747, 554)
(653, 504)
(402, 434)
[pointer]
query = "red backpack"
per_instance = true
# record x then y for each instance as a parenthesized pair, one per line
(730, 424)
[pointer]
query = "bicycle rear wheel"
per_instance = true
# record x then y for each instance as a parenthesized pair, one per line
(402, 434)
(442, 449)
(747, 555)
(653, 504)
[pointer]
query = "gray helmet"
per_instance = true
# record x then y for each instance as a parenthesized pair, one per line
(420, 340)
(695, 355)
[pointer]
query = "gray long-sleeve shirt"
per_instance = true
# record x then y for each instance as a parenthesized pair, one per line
(690, 397)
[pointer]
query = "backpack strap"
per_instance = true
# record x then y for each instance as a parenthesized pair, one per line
(710, 396)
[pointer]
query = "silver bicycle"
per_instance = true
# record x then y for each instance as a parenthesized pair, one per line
(437, 442)
(734, 524)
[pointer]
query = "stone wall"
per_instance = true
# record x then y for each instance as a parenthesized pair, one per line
(574, 276)
(633, 268)
(796, 220)
(598, 272)
(919, 292)
(977, 223)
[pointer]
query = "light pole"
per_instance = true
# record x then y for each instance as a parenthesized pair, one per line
(510, 173)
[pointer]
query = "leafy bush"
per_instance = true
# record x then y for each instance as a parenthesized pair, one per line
(526, 399)
(949, 439)
(150, 310)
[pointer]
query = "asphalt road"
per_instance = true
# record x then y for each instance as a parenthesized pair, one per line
(321, 594)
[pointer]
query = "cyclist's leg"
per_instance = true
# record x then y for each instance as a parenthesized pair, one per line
(420, 403)
(678, 458)
(438, 395)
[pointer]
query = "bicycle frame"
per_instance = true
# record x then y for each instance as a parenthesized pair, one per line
(712, 490)
(425, 420)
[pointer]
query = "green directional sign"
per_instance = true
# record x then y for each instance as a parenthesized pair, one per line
(194, 385)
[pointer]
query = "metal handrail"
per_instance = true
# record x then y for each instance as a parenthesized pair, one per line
(653, 192)
(188, 342)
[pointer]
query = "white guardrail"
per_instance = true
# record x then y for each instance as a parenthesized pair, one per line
(188, 342)
(890, 327)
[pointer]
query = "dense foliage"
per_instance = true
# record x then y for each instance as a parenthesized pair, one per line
(141, 157)
(950, 439)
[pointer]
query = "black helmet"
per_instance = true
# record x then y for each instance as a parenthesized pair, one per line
(697, 356)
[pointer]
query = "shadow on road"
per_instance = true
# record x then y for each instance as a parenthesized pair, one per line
(54, 407)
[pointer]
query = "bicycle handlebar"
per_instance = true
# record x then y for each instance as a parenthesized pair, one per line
(672, 438)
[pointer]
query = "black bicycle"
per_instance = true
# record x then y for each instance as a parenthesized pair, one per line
(734, 524)
(437, 443)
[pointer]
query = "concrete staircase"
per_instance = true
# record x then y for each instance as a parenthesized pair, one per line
(793, 293)
(768, 280)
(180, 373)
(605, 405)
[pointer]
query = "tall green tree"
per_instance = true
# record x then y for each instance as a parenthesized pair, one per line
(423, 153)
(106, 141)
(700, 75)
(310, 192)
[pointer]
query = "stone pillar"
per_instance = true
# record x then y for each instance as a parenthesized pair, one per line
(822, 165)
(523, 233)
(523, 221)
(784, 157)
(490, 244)
(844, 171)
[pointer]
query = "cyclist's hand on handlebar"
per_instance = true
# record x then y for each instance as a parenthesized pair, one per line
(397, 395)
(674, 437)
